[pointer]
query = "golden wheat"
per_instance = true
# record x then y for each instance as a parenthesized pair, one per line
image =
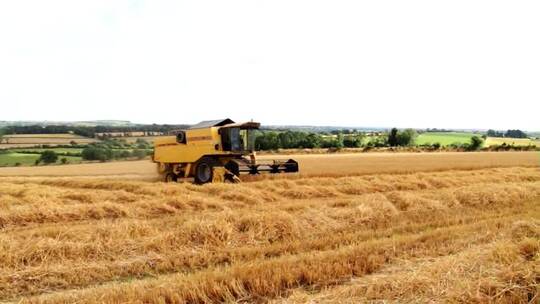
(330, 165)
(394, 237)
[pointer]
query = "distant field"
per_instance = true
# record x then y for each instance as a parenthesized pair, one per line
(26, 140)
(444, 138)
(11, 159)
(59, 135)
(11, 146)
(491, 141)
(57, 150)
(448, 138)
(149, 139)
(18, 156)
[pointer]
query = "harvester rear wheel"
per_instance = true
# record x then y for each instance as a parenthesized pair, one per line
(204, 170)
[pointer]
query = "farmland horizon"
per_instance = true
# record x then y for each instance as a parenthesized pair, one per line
(124, 122)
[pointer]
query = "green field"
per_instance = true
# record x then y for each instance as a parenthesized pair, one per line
(28, 156)
(12, 158)
(57, 150)
(444, 138)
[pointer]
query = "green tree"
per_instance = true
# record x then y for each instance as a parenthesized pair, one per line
(516, 134)
(142, 144)
(339, 141)
(476, 143)
(96, 153)
(353, 141)
(312, 140)
(140, 154)
(333, 142)
(267, 141)
(2, 133)
(393, 137)
(493, 133)
(406, 137)
(124, 154)
(48, 157)
(289, 140)
(376, 141)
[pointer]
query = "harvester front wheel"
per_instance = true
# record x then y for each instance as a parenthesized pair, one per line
(204, 171)
(171, 178)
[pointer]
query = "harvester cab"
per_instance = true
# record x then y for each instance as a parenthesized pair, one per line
(210, 151)
(238, 138)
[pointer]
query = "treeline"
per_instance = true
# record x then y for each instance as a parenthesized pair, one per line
(105, 154)
(508, 133)
(116, 149)
(92, 152)
(403, 138)
(436, 130)
(88, 131)
(272, 140)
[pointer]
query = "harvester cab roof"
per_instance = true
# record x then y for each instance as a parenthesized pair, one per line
(225, 123)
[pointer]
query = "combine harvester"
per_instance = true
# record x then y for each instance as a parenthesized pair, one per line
(213, 151)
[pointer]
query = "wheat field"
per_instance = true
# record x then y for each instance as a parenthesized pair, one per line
(468, 236)
(311, 164)
(492, 141)
(31, 140)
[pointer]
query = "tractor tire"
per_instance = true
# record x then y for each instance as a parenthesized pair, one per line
(171, 178)
(204, 171)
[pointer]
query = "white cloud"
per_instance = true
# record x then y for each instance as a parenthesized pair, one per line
(364, 63)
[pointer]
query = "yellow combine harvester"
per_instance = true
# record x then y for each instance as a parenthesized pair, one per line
(216, 150)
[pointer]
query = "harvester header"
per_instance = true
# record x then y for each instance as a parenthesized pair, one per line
(213, 150)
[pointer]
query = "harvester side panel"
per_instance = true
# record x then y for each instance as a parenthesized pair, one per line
(199, 142)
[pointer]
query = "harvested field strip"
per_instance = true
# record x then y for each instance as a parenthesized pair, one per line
(329, 165)
(420, 180)
(50, 208)
(154, 265)
(16, 187)
(271, 277)
(180, 243)
(504, 271)
(58, 205)
(17, 255)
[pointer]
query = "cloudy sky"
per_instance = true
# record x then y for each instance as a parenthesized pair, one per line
(461, 64)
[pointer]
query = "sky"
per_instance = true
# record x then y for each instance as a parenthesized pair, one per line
(379, 63)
